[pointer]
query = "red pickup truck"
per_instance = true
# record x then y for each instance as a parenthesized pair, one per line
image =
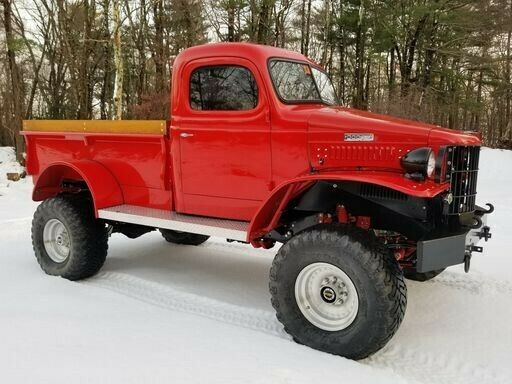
(258, 151)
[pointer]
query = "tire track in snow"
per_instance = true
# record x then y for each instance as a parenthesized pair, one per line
(15, 227)
(413, 365)
(432, 368)
(239, 248)
(22, 220)
(173, 299)
(476, 283)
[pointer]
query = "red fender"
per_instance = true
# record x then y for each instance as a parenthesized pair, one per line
(104, 188)
(270, 212)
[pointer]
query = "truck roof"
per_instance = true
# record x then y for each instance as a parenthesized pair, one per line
(255, 52)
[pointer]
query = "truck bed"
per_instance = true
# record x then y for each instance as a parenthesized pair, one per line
(135, 152)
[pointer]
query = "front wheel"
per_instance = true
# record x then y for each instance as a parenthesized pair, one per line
(68, 240)
(336, 289)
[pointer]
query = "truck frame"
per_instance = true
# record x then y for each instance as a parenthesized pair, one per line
(258, 151)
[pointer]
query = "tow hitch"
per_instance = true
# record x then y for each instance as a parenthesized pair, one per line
(485, 233)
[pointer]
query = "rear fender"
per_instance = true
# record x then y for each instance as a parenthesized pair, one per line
(104, 188)
(267, 217)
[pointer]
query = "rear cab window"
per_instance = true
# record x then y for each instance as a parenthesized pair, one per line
(223, 88)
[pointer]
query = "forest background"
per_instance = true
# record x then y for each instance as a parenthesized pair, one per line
(446, 62)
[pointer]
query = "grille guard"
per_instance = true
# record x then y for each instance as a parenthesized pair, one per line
(462, 173)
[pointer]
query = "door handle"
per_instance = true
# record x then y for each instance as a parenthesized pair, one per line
(185, 135)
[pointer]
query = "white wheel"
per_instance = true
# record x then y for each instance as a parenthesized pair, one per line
(56, 240)
(335, 288)
(326, 296)
(68, 240)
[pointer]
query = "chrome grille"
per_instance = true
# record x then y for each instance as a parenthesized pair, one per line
(462, 171)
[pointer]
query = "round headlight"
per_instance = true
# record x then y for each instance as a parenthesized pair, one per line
(431, 165)
(419, 163)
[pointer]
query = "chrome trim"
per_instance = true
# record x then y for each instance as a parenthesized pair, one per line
(359, 137)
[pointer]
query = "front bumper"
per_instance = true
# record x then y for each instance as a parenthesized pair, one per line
(444, 252)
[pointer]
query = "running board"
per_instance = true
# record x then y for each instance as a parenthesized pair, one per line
(159, 218)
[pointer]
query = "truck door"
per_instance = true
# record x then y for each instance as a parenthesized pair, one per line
(224, 135)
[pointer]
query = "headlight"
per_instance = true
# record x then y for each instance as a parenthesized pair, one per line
(431, 165)
(419, 163)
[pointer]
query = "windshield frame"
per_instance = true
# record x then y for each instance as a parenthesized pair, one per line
(310, 65)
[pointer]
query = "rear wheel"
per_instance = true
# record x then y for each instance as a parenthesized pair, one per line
(186, 238)
(336, 289)
(68, 240)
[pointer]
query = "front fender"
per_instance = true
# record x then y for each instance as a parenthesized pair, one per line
(268, 215)
(104, 188)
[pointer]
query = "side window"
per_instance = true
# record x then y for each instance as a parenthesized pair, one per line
(223, 88)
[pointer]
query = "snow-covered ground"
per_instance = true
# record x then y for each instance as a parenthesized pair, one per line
(167, 313)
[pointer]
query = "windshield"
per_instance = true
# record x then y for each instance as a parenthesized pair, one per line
(299, 82)
(325, 87)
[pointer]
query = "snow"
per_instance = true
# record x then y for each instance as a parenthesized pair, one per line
(166, 313)
(8, 164)
(18, 204)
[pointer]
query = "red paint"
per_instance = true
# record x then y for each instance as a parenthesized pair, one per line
(324, 218)
(104, 187)
(342, 214)
(363, 222)
(243, 165)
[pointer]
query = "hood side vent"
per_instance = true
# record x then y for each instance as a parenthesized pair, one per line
(372, 191)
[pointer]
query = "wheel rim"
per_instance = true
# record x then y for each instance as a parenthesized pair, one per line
(56, 240)
(326, 296)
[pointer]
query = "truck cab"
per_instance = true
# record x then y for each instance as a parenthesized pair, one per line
(258, 150)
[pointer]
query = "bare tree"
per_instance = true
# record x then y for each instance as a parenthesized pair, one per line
(16, 97)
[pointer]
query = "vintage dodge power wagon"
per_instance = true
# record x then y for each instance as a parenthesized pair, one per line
(258, 151)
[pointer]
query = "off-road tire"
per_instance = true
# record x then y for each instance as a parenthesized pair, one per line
(421, 276)
(185, 238)
(88, 237)
(374, 272)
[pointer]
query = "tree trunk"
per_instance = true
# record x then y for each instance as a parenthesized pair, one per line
(16, 88)
(141, 48)
(231, 21)
(327, 27)
(508, 83)
(264, 21)
(308, 29)
(359, 67)
(341, 52)
(159, 48)
(118, 61)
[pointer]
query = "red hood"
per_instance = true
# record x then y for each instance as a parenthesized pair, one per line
(389, 139)
(388, 128)
(445, 136)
